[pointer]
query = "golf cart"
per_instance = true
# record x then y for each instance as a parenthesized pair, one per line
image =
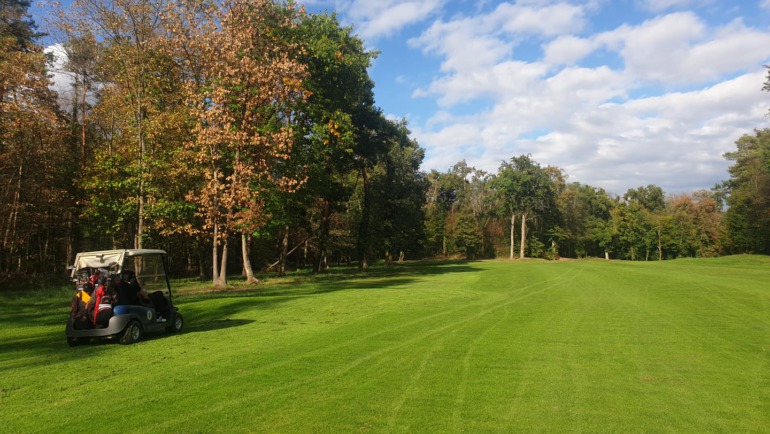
(101, 309)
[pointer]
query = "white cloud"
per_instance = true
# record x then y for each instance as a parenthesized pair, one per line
(61, 82)
(477, 50)
(567, 50)
(374, 19)
(675, 140)
(655, 49)
(680, 49)
(464, 45)
(548, 20)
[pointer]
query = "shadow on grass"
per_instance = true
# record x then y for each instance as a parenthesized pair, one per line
(379, 277)
(34, 322)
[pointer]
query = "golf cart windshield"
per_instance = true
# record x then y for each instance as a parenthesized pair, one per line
(149, 270)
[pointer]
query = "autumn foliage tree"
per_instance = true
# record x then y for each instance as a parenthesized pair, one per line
(34, 158)
(242, 78)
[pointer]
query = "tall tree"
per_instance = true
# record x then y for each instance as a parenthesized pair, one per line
(398, 196)
(585, 212)
(137, 109)
(650, 197)
(339, 90)
(524, 188)
(748, 189)
(243, 81)
(35, 168)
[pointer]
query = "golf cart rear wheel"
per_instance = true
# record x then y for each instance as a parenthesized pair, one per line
(132, 333)
(73, 342)
(177, 325)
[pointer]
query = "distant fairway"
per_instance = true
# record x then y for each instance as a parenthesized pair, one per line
(497, 346)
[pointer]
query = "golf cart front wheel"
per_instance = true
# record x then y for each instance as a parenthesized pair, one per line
(177, 325)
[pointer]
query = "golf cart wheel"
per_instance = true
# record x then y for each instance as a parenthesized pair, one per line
(73, 342)
(132, 333)
(177, 325)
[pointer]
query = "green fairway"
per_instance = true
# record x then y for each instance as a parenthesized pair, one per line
(494, 346)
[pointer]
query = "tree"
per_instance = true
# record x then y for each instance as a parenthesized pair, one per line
(524, 188)
(398, 196)
(36, 171)
(115, 48)
(329, 123)
(81, 63)
(650, 198)
(441, 197)
(748, 189)
(17, 26)
(585, 212)
(243, 79)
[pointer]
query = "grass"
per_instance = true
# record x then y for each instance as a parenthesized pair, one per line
(493, 346)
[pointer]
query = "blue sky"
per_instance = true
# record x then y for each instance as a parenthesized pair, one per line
(618, 94)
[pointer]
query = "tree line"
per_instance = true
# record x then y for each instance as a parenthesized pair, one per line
(244, 134)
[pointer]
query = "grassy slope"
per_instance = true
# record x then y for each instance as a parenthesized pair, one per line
(424, 347)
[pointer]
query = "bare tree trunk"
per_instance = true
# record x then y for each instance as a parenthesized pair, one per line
(9, 238)
(83, 122)
(523, 234)
(284, 250)
(215, 255)
(606, 255)
(201, 263)
(223, 265)
(363, 232)
(319, 264)
(245, 240)
(140, 198)
(513, 232)
(70, 254)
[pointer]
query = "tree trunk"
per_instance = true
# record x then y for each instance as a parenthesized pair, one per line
(363, 232)
(523, 234)
(323, 237)
(513, 233)
(250, 279)
(215, 256)
(223, 265)
(284, 251)
(606, 255)
(83, 122)
(201, 263)
(9, 238)
(140, 195)
(70, 254)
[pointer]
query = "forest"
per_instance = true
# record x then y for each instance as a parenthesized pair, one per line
(242, 136)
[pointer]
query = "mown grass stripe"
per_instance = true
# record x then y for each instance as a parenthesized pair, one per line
(421, 347)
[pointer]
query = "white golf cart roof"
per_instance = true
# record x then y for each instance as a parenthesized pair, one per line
(109, 258)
